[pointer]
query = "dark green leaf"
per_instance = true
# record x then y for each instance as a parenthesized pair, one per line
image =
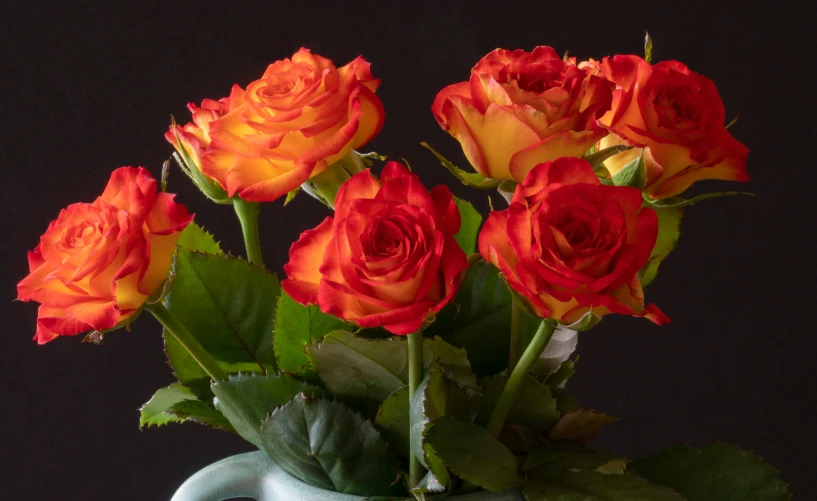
(195, 238)
(669, 230)
(558, 459)
(579, 425)
(595, 486)
(298, 326)
(326, 444)
(718, 472)
(634, 174)
(228, 306)
(473, 454)
(469, 228)
(393, 421)
(471, 179)
(535, 407)
(247, 399)
(558, 379)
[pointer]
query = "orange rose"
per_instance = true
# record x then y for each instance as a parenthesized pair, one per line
(195, 136)
(677, 116)
(97, 263)
(388, 257)
(569, 245)
(300, 117)
(522, 108)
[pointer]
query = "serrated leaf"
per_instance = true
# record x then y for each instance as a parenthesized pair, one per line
(633, 175)
(718, 472)
(393, 421)
(296, 327)
(247, 399)
(471, 179)
(227, 304)
(469, 227)
(479, 319)
(595, 486)
(326, 444)
(201, 413)
(579, 425)
(669, 230)
(153, 412)
(473, 454)
(196, 238)
(557, 459)
(359, 368)
(534, 408)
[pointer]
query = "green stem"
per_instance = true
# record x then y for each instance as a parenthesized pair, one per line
(518, 338)
(183, 336)
(415, 375)
(511, 391)
(247, 213)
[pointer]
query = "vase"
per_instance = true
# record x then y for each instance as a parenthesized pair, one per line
(254, 475)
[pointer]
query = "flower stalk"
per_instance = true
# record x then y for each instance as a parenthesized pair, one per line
(247, 213)
(183, 336)
(415, 375)
(511, 391)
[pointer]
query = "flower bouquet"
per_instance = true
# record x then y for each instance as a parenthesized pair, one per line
(413, 349)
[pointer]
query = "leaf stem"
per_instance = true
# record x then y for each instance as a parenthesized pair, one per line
(247, 213)
(182, 335)
(511, 391)
(415, 375)
(519, 341)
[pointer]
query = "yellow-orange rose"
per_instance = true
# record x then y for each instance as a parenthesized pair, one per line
(523, 108)
(300, 117)
(97, 263)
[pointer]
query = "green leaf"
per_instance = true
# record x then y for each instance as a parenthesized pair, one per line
(200, 412)
(469, 229)
(195, 238)
(227, 304)
(559, 379)
(558, 459)
(718, 472)
(479, 320)
(153, 412)
(326, 444)
(359, 368)
(298, 326)
(291, 195)
(473, 454)
(535, 407)
(247, 399)
(471, 179)
(393, 421)
(669, 230)
(579, 425)
(634, 174)
(596, 486)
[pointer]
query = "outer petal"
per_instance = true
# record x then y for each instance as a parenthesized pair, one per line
(132, 190)
(561, 144)
(441, 113)
(305, 258)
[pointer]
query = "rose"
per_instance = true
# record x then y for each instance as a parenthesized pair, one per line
(388, 257)
(300, 117)
(195, 136)
(97, 263)
(569, 245)
(677, 116)
(522, 108)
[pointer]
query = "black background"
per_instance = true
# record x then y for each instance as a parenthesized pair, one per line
(90, 87)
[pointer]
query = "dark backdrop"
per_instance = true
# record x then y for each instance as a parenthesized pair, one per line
(90, 87)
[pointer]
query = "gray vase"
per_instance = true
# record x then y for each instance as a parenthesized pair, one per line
(254, 475)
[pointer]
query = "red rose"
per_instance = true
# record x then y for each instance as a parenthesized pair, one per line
(522, 108)
(569, 244)
(97, 263)
(388, 257)
(677, 116)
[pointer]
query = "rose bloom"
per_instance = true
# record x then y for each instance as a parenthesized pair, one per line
(300, 117)
(678, 117)
(388, 257)
(97, 263)
(568, 244)
(523, 108)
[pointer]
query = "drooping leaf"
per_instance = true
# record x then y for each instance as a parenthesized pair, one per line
(153, 412)
(200, 412)
(247, 399)
(326, 444)
(634, 174)
(393, 421)
(557, 459)
(579, 425)
(596, 486)
(718, 472)
(196, 238)
(469, 227)
(298, 326)
(473, 454)
(471, 179)
(534, 408)
(227, 304)
(669, 224)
